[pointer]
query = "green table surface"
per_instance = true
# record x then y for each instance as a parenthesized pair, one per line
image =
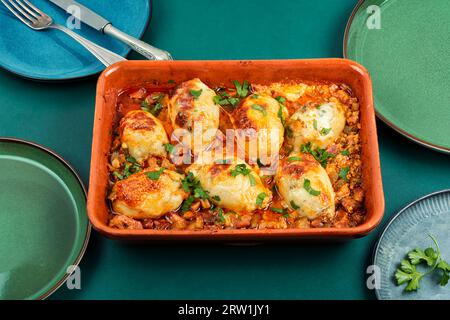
(60, 116)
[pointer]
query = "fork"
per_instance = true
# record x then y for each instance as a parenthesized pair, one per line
(38, 20)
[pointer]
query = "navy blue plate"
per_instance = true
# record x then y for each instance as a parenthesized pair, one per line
(410, 229)
(52, 55)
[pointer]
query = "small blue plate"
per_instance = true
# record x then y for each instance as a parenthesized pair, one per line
(407, 230)
(52, 55)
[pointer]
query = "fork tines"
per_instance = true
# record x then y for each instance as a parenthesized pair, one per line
(23, 10)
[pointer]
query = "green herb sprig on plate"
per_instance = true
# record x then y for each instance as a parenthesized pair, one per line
(407, 273)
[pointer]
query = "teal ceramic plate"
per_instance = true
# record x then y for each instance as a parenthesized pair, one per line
(43, 223)
(51, 55)
(405, 45)
(407, 230)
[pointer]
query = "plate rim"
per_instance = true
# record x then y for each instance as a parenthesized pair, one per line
(64, 162)
(391, 220)
(404, 133)
(87, 75)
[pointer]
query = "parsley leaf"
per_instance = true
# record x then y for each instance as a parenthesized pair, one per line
(445, 268)
(321, 155)
(343, 173)
(281, 99)
(311, 191)
(220, 215)
(315, 124)
(260, 109)
(408, 273)
(325, 131)
(216, 198)
(345, 152)
(240, 169)
(294, 205)
(118, 175)
(290, 159)
(418, 255)
(187, 204)
(242, 90)
(169, 148)
(195, 93)
(260, 198)
(154, 175)
(252, 180)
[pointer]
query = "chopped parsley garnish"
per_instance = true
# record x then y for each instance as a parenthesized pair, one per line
(187, 204)
(132, 160)
(345, 152)
(233, 101)
(131, 166)
(224, 99)
(282, 211)
(408, 273)
(171, 81)
(216, 198)
(290, 159)
(343, 173)
(281, 115)
(240, 169)
(220, 101)
(195, 93)
(325, 131)
(242, 90)
(169, 148)
(192, 184)
(260, 109)
(294, 205)
(311, 191)
(315, 124)
(289, 132)
(255, 96)
(260, 198)
(154, 109)
(252, 180)
(321, 155)
(118, 175)
(281, 99)
(154, 175)
(220, 215)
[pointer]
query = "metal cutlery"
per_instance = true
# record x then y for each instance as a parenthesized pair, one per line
(34, 18)
(99, 23)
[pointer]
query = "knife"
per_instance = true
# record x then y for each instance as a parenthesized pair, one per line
(99, 23)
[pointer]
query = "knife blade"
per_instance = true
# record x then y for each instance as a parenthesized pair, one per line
(99, 23)
(87, 16)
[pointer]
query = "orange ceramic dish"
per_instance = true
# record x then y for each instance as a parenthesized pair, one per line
(156, 75)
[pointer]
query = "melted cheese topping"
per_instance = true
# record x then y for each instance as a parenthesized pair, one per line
(290, 180)
(320, 125)
(261, 132)
(140, 197)
(143, 135)
(238, 193)
(192, 108)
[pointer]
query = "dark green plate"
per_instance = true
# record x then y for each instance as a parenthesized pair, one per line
(405, 45)
(43, 223)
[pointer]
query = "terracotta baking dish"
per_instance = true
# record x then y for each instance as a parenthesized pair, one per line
(154, 73)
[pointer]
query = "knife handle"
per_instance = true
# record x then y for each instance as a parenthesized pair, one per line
(148, 51)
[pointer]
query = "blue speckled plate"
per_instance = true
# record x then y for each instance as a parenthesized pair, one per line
(52, 55)
(406, 231)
